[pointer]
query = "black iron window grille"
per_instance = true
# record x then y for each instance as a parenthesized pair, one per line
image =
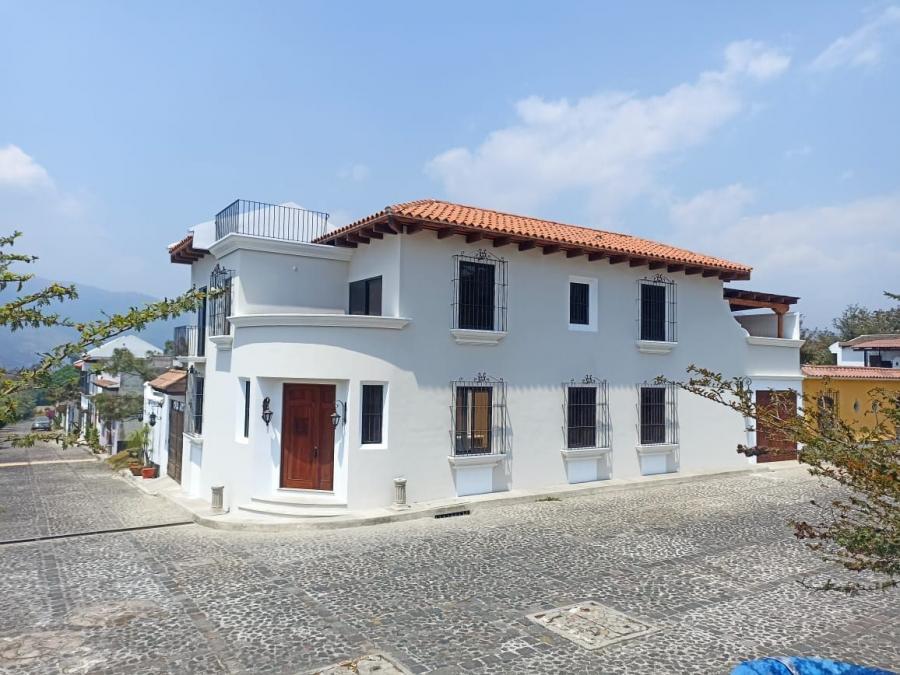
(194, 397)
(657, 414)
(479, 292)
(201, 324)
(273, 221)
(828, 403)
(365, 296)
(579, 303)
(586, 413)
(478, 416)
(84, 379)
(185, 341)
(220, 281)
(656, 309)
(372, 414)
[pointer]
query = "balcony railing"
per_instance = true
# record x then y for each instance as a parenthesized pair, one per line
(187, 341)
(271, 221)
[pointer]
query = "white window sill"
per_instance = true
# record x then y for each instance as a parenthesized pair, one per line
(196, 439)
(774, 342)
(655, 346)
(373, 446)
(582, 328)
(584, 453)
(464, 461)
(465, 336)
(223, 342)
(657, 449)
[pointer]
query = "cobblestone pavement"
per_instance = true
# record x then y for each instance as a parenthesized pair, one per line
(710, 565)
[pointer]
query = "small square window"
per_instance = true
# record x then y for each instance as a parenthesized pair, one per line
(365, 296)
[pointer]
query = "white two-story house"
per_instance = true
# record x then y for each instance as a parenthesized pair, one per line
(465, 350)
(872, 351)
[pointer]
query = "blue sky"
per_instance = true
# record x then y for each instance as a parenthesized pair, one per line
(765, 132)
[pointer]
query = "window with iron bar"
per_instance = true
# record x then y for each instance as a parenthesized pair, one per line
(657, 414)
(656, 309)
(479, 292)
(194, 422)
(586, 410)
(579, 303)
(220, 304)
(478, 416)
(372, 414)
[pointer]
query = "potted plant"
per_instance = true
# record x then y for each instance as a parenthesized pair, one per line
(137, 447)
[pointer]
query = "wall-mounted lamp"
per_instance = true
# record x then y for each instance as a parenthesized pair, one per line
(340, 414)
(266, 411)
(152, 419)
(140, 416)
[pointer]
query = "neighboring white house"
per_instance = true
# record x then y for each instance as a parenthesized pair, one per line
(96, 380)
(466, 350)
(164, 413)
(875, 351)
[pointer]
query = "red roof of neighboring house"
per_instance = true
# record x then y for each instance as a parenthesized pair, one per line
(859, 339)
(879, 343)
(106, 383)
(172, 381)
(551, 236)
(852, 372)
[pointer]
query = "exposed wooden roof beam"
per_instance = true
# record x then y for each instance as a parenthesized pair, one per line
(596, 256)
(616, 259)
(656, 265)
(553, 248)
(693, 270)
(502, 241)
(574, 252)
(637, 262)
(526, 245)
(674, 268)
(445, 232)
(412, 228)
(710, 273)
(372, 234)
(342, 241)
(472, 237)
(356, 238)
(384, 228)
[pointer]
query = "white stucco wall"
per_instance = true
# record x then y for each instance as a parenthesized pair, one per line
(419, 361)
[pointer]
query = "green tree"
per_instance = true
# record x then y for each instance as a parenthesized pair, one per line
(858, 525)
(854, 321)
(35, 310)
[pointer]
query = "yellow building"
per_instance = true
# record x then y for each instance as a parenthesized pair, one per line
(849, 387)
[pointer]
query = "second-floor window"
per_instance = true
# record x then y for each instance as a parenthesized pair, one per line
(658, 419)
(220, 304)
(365, 297)
(579, 303)
(657, 309)
(479, 292)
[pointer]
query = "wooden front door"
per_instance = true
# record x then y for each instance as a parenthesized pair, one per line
(176, 428)
(784, 405)
(307, 436)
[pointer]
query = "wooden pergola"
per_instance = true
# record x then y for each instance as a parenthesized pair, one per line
(740, 299)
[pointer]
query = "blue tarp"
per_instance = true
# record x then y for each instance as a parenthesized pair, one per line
(792, 665)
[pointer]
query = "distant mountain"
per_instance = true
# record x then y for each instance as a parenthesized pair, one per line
(21, 347)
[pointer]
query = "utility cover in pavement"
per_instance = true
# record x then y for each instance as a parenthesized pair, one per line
(370, 664)
(591, 625)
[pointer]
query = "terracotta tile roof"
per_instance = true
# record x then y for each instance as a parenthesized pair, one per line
(879, 343)
(106, 383)
(439, 215)
(172, 381)
(868, 337)
(852, 372)
(184, 252)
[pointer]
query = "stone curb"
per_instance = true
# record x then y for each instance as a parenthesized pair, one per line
(205, 518)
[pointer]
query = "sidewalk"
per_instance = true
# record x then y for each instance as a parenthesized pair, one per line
(238, 520)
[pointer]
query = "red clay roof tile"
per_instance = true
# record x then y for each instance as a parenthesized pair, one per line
(852, 372)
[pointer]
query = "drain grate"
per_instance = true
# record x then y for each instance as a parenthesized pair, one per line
(591, 625)
(452, 514)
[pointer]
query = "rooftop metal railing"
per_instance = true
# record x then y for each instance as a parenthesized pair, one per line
(272, 221)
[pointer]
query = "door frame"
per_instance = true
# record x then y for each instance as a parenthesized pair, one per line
(276, 387)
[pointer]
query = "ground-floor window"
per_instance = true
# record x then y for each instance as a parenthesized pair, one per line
(586, 413)
(658, 414)
(245, 386)
(195, 402)
(478, 415)
(372, 414)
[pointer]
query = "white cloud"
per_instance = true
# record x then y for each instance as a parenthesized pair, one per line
(712, 208)
(19, 170)
(357, 172)
(798, 151)
(863, 47)
(608, 145)
(831, 256)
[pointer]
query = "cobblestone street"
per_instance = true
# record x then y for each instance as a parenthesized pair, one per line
(706, 570)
